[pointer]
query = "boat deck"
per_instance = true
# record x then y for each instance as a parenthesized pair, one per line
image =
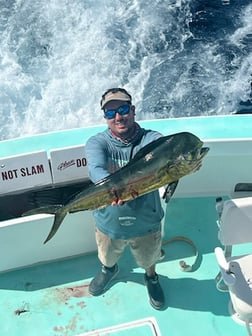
(53, 300)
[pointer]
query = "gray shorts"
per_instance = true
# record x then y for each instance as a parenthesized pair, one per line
(146, 250)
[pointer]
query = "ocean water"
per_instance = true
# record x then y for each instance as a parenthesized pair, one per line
(176, 57)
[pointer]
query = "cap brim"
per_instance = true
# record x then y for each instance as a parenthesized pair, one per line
(115, 96)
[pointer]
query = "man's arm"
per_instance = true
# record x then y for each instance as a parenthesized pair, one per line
(97, 163)
(96, 159)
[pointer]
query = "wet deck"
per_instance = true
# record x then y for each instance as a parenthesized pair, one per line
(53, 300)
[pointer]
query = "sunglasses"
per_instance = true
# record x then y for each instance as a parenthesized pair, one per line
(122, 110)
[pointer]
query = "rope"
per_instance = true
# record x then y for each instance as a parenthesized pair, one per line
(182, 264)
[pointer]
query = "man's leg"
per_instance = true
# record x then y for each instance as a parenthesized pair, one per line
(147, 251)
(109, 251)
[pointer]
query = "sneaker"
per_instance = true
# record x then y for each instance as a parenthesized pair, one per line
(100, 282)
(155, 291)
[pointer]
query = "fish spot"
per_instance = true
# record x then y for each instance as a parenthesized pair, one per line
(148, 157)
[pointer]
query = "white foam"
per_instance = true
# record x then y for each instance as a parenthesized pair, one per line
(58, 57)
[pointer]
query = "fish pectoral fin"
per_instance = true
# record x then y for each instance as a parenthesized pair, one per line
(51, 209)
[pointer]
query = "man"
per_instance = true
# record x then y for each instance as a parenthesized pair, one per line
(136, 223)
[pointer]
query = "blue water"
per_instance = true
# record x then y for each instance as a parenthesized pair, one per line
(177, 58)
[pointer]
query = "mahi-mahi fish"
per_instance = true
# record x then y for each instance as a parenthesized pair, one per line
(159, 163)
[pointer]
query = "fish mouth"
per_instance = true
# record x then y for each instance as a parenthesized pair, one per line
(198, 155)
(204, 151)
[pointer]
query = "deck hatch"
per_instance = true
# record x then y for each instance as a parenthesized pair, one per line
(145, 327)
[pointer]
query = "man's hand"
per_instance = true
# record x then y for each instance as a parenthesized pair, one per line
(118, 202)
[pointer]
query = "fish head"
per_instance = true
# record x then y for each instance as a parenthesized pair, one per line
(182, 154)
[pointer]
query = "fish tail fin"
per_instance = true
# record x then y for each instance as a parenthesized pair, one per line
(58, 219)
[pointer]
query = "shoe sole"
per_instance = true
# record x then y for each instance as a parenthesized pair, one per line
(155, 306)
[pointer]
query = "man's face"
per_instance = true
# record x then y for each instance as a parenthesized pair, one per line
(121, 125)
